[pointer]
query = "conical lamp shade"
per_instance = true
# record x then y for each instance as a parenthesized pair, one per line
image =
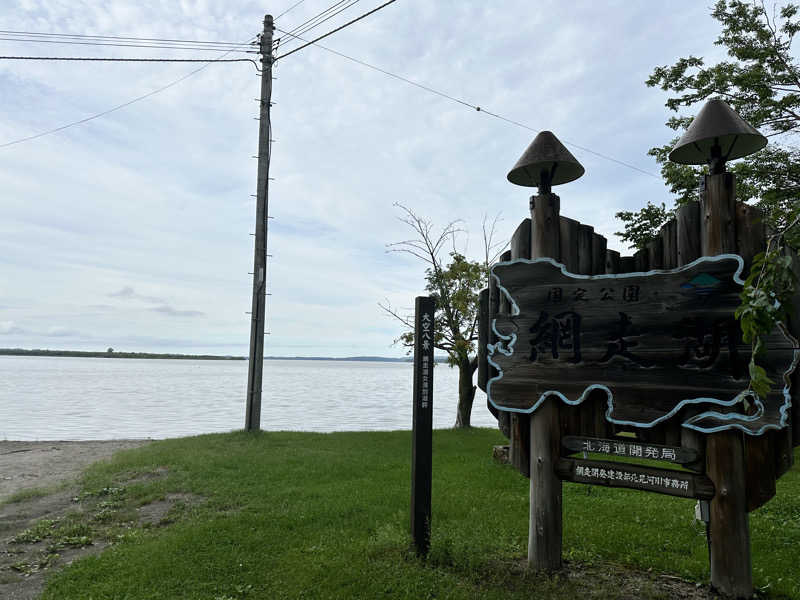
(545, 152)
(717, 123)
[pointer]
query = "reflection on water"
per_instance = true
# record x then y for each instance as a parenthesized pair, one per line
(66, 398)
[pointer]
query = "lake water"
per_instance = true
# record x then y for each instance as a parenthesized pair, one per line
(66, 398)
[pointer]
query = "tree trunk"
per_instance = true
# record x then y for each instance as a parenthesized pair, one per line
(466, 391)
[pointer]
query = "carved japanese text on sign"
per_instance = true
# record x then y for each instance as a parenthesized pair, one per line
(652, 342)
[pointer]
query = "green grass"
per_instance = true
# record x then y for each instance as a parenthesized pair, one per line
(303, 515)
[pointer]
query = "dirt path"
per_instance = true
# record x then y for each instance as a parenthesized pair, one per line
(25, 465)
(46, 465)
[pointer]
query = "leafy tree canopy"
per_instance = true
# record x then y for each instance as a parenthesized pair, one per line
(761, 81)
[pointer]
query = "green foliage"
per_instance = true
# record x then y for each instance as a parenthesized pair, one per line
(643, 226)
(766, 300)
(761, 81)
(455, 289)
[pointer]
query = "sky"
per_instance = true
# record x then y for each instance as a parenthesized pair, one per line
(132, 230)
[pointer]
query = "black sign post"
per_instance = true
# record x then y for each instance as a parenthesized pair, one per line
(422, 428)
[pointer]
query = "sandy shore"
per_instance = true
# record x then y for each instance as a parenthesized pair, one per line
(26, 465)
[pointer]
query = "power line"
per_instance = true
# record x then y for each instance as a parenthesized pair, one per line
(315, 40)
(117, 37)
(459, 101)
(293, 6)
(115, 108)
(318, 15)
(308, 28)
(125, 45)
(102, 59)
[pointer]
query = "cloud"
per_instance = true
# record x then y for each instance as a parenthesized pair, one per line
(165, 309)
(57, 331)
(10, 328)
(128, 293)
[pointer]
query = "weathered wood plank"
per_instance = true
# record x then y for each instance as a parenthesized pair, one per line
(636, 477)
(521, 240)
(503, 305)
(483, 338)
(627, 264)
(729, 529)
(544, 528)
(545, 531)
(545, 226)
(612, 262)
(669, 241)
(655, 254)
(759, 456)
(751, 234)
(718, 209)
(688, 233)
(599, 244)
(641, 262)
(568, 241)
(585, 260)
(520, 443)
(624, 447)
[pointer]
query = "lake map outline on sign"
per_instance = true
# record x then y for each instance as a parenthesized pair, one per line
(653, 342)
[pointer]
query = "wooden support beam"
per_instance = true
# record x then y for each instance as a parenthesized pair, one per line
(599, 244)
(545, 528)
(568, 243)
(585, 261)
(729, 528)
(612, 262)
(669, 240)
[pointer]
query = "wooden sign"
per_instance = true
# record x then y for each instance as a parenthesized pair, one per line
(652, 342)
(621, 475)
(630, 449)
(422, 425)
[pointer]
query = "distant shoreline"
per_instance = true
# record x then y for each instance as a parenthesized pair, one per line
(153, 355)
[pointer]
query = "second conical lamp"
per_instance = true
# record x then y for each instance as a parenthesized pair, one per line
(717, 134)
(544, 163)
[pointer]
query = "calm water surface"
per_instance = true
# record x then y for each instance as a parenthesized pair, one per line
(67, 398)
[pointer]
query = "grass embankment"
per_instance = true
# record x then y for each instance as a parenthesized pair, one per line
(302, 515)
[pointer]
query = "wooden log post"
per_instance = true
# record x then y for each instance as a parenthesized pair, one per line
(599, 244)
(655, 254)
(687, 249)
(729, 528)
(568, 243)
(545, 527)
(688, 233)
(585, 237)
(498, 304)
(483, 337)
(669, 241)
(612, 262)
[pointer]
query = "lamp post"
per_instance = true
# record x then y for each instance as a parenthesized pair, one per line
(718, 134)
(545, 163)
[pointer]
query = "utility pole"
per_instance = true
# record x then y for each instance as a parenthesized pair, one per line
(258, 313)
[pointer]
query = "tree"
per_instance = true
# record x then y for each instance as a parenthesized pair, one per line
(762, 83)
(455, 286)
